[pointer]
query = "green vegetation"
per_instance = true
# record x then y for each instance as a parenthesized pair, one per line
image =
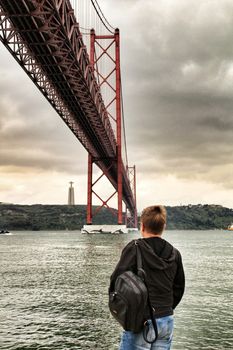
(199, 217)
(62, 217)
(48, 217)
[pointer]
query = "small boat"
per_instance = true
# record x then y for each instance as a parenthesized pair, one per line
(230, 227)
(3, 232)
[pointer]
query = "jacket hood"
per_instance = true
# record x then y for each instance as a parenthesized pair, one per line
(157, 252)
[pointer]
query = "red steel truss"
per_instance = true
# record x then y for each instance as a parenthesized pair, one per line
(132, 220)
(44, 38)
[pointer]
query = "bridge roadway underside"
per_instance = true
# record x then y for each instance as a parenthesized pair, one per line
(50, 36)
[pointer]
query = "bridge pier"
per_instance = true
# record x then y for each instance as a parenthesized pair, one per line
(113, 229)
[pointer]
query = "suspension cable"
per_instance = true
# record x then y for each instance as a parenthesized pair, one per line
(103, 19)
(103, 15)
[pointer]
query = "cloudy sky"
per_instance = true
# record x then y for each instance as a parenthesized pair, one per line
(177, 69)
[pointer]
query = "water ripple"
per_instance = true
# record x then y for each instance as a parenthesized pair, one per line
(54, 291)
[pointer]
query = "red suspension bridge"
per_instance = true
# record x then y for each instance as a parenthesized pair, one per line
(48, 42)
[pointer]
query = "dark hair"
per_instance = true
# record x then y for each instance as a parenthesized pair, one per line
(154, 218)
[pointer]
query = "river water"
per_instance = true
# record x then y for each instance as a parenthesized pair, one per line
(53, 290)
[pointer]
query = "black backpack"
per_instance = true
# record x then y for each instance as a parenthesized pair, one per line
(129, 300)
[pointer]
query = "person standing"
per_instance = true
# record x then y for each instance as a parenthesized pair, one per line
(164, 276)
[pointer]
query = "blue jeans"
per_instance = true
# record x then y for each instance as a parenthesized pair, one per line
(132, 341)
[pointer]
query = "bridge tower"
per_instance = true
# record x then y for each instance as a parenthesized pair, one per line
(114, 111)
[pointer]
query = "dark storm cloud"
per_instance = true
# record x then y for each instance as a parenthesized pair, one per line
(177, 70)
(178, 66)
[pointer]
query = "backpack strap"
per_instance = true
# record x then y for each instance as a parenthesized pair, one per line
(140, 271)
(142, 274)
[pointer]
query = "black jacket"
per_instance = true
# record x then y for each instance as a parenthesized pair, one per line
(164, 270)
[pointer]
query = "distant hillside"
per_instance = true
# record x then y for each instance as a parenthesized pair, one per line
(61, 217)
(48, 217)
(199, 217)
